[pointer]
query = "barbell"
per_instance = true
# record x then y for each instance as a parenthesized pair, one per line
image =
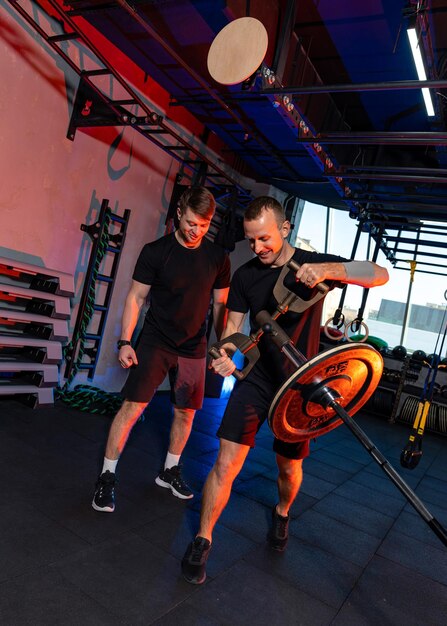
(314, 399)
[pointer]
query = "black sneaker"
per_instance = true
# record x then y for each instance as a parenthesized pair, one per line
(194, 561)
(172, 479)
(104, 498)
(279, 531)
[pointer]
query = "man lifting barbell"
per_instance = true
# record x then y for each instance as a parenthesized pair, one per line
(252, 290)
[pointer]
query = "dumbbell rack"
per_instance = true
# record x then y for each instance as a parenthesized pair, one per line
(437, 414)
(398, 394)
(34, 313)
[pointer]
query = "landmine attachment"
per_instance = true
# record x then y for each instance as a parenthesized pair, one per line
(313, 400)
(313, 386)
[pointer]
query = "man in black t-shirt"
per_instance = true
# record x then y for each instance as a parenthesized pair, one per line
(180, 273)
(266, 229)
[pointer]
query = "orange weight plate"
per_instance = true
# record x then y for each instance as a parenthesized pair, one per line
(350, 372)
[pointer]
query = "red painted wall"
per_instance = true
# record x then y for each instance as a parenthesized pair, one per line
(51, 185)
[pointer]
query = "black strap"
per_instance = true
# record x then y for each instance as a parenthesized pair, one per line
(356, 324)
(339, 319)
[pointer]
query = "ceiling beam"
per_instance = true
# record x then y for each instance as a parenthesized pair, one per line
(434, 171)
(405, 214)
(395, 199)
(402, 227)
(395, 85)
(419, 253)
(375, 138)
(429, 244)
(405, 269)
(439, 180)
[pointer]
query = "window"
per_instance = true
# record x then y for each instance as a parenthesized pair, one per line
(386, 306)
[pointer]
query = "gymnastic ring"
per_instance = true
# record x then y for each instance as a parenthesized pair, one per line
(362, 323)
(326, 329)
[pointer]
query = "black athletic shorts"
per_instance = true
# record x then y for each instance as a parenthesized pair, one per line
(186, 376)
(247, 410)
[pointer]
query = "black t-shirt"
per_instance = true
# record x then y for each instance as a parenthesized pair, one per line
(252, 291)
(182, 280)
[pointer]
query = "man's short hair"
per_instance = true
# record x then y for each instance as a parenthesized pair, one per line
(199, 199)
(256, 207)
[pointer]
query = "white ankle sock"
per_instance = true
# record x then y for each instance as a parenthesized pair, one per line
(172, 460)
(109, 465)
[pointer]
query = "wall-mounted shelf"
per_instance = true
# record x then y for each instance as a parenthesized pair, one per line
(34, 309)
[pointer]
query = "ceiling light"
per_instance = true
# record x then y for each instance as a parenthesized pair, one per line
(417, 56)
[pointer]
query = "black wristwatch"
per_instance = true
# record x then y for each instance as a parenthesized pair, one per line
(122, 342)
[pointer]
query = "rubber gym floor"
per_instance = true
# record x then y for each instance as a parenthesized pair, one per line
(358, 552)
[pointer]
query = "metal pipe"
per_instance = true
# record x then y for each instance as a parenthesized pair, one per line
(409, 138)
(395, 85)
(420, 253)
(401, 212)
(402, 227)
(389, 470)
(395, 201)
(392, 168)
(410, 287)
(442, 266)
(326, 398)
(434, 244)
(392, 177)
(423, 271)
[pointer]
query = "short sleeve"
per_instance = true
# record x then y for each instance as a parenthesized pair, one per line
(237, 300)
(223, 277)
(145, 267)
